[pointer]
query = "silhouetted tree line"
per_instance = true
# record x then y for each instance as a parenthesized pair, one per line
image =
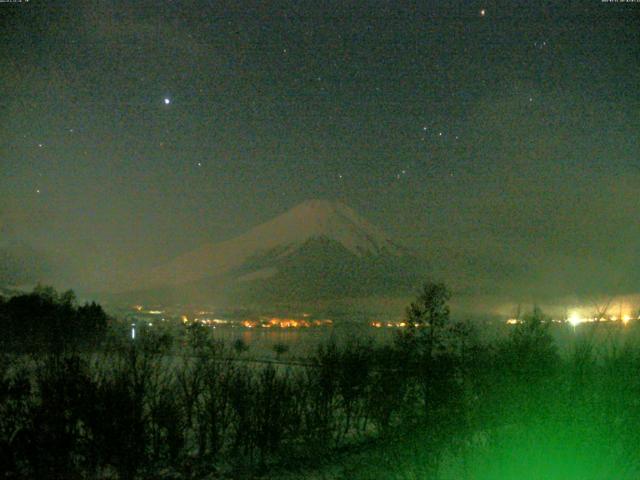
(146, 410)
(45, 320)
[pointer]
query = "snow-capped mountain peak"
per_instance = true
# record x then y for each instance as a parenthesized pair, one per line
(280, 236)
(323, 218)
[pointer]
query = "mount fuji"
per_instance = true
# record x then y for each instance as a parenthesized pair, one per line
(318, 250)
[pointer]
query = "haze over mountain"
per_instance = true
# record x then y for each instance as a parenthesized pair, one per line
(316, 251)
(502, 146)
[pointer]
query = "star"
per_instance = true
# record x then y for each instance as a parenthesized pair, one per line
(38, 191)
(199, 164)
(40, 145)
(483, 12)
(167, 101)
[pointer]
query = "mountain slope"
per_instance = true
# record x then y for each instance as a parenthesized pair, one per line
(318, 249)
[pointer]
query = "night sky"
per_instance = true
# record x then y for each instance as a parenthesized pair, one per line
(499, 139)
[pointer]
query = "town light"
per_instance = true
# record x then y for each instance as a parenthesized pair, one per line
(574, 319)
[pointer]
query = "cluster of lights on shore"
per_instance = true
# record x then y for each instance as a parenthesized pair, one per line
(263, 322)
(575, 319)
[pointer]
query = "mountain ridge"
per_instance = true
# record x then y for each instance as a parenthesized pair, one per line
(318, 248)
(288, 231)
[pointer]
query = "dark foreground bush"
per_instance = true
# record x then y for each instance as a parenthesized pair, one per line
(46, 321)
(434, 404)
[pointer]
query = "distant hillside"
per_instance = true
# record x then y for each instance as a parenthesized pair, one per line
(316, 251)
